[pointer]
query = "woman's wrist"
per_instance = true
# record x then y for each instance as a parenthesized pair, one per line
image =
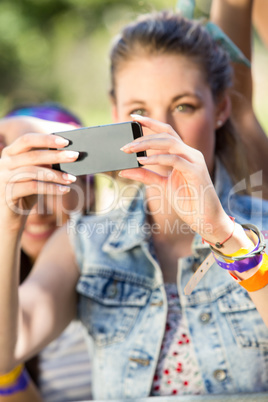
(227, 236)
(237, 241)
(12, 223)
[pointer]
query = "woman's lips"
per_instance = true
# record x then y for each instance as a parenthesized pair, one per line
(39, 231)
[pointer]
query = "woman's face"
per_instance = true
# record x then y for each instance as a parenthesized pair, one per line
(171, 89)
(50, 213)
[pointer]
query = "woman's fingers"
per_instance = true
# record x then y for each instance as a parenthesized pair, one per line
(172, 160)
(155, 141)
(28, 173)
(142, 175)
(33, 180)
(155, 125)
(142, 141)
(164, 143)
(16, 191)
(39, 157)
(29, 141)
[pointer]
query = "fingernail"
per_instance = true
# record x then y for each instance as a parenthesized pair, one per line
(61, 141)
(69, 177)
(126, 146)
(137, 116)
(142, 158)
(64, 189)
(120, 174)
(130, 145)
(71, 154)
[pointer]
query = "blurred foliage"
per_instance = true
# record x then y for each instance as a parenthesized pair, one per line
(57, 50)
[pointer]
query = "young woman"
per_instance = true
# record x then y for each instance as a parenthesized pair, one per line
(56, 369)
(130, 266)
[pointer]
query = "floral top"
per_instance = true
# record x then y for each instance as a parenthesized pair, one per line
(177, 371)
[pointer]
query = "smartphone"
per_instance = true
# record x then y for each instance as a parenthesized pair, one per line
(99, 148)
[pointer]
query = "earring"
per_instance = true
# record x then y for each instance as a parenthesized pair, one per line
(219, 123)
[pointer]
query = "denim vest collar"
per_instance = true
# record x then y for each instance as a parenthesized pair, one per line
(128, 229)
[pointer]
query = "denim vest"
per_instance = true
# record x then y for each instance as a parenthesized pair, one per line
(123, 305)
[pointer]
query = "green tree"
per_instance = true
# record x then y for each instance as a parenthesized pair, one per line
(57, 50)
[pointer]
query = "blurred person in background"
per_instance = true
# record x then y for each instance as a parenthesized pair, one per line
(62, 371)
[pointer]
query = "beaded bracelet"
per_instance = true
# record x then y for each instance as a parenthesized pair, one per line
(15, 381)
(246, 261)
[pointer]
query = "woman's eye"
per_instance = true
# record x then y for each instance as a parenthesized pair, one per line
(141, 112)
(184, 108)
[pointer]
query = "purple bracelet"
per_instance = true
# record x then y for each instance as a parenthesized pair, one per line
(20, 385)
(239, 266)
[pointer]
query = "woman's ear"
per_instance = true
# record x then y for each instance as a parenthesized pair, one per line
(223, 110)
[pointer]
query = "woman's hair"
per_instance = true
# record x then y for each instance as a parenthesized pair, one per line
(168, 33)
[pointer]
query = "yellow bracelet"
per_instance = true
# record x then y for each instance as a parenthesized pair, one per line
(11, 377)
(241, 251)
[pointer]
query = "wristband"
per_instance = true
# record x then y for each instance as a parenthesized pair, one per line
(208, 262)
(246, 261)
(12, 376)
(13, 382)
(242, 265)
(257, 281)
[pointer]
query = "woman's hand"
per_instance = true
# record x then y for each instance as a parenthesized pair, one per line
(14, 127)
(188, 186)
(25, 173)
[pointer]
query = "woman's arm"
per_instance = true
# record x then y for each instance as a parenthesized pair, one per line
(260, 17)
(184, 187)
(44, 304)
(27, 324)
(235, 19)
(17, 386)
(47, 297)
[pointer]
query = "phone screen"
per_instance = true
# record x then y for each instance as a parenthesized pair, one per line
(99, 148)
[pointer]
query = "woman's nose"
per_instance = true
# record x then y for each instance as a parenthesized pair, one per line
(45, 205)
(164, 117)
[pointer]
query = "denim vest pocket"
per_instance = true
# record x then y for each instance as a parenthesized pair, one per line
(244, 320)
(108, 307)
